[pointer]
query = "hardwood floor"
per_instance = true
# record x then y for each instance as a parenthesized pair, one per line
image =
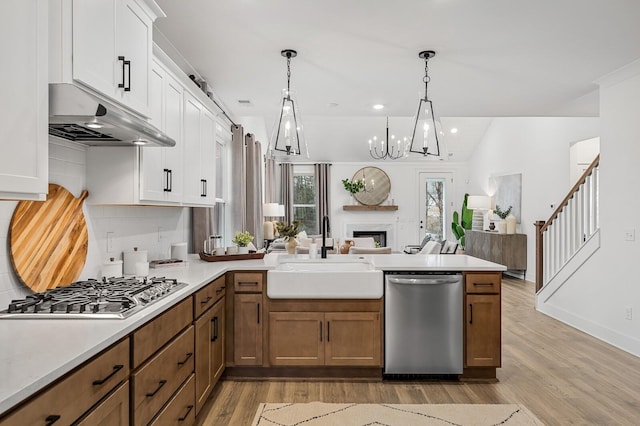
(562, 375)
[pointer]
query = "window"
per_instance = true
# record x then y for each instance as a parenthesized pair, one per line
(304, 198)
(223, 139)
(435, 196)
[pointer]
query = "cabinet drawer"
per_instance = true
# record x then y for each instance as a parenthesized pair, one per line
(159, 378)
(206, 297)
(153, 335)
(114, 410)
(488, 283)
(180, 411)
(67, 400)
(247, 282)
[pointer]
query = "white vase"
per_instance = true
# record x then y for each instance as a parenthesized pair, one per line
(502, 226)
(243, 250)
(511, 224)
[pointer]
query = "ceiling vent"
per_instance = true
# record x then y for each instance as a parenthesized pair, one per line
(245, 102)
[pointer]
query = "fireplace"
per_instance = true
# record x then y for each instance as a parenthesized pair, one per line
(378, 236)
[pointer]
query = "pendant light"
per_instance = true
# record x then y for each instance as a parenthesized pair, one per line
(287, 139)
(388, 148)
(427, 132)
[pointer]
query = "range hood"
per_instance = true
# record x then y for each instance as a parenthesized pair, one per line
(77, 115)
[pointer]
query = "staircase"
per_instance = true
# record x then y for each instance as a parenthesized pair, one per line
(570, 236)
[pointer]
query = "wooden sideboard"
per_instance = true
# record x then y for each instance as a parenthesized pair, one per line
(506, 249)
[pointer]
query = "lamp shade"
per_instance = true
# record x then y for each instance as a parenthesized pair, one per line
(479, 202)
(270, 209)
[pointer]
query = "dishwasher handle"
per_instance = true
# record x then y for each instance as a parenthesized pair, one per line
(426, 280)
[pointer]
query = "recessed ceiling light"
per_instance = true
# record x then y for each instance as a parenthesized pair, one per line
(378, 106)
(454, 130)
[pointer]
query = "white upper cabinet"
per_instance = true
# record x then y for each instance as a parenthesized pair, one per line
(199, 153)
(162, 168)
(24, 162)
(111, 47)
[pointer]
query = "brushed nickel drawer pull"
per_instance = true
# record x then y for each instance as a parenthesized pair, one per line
(116, 368)
(205, 301)
(52, 419)
(183, 362)
(161, 383)
(183, 418)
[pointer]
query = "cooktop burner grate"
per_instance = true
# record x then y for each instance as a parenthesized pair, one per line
(107, 298)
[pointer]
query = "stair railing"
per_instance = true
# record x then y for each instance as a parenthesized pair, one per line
(571, 224)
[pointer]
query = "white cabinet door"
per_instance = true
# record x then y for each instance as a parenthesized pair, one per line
(199, 153)
(112, 50)
(24, 162)
(133, 43)
(161, 168)
(173, 159)
(193, 186)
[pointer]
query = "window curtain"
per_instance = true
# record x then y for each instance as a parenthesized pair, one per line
(286, 190)
(270, 194)
(253, 214)
(322, 173)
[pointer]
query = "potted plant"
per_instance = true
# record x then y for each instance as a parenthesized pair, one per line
(289, 233)
(502, 214)
(462, 222)
(353, 187)
(242, 240)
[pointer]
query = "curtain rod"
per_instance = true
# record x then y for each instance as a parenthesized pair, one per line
(223, 111)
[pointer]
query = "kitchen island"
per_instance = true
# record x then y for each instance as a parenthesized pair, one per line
(36, 353)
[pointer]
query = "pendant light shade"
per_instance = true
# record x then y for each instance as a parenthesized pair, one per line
(287, 138)
(427, 131)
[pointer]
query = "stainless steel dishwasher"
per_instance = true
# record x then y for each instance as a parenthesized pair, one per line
(423, 324)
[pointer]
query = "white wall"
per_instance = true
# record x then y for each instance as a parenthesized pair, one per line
(596, 297)
(581, 155)
(539, 149)
(132, 226)
(404, 192)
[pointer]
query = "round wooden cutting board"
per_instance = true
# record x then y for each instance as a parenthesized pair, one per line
(49, 239)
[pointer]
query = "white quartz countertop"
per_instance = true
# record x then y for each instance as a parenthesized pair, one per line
(36, 352)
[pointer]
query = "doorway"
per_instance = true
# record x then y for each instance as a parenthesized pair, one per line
(435, 204)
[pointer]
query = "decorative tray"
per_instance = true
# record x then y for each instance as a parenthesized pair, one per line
(228, 257)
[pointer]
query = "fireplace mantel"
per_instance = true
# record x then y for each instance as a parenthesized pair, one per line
(363, 208)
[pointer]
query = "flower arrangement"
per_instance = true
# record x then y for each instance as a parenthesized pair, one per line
(242, 239)
(353, 186)
(288, 231)
(502, 214)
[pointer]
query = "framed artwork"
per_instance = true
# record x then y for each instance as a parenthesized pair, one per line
(508, 192)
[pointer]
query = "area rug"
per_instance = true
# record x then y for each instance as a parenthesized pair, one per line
(319, 413)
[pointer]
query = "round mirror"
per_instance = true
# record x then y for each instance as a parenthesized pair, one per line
(376, 186)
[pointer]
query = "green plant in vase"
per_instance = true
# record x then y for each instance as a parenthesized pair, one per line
(460, 224)
(502, 214)
(289, 233)
(242, 240)
(353, 187)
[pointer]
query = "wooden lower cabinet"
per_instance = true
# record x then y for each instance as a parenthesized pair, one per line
(210, 351)
(180, 410)
(325, 338)
(483, 342)
(296, 338)
(113, 411)
(248, 313)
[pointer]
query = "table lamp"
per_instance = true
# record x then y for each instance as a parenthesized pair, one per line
(270, 211)
(479, 204)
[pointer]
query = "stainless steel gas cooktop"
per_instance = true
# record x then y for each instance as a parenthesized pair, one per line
(106, 298)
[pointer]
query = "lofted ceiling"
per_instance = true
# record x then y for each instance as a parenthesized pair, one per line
(495, 58)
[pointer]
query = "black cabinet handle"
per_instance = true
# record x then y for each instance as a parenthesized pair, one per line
(121, 58)
(321, 331)
(170, 180)
(248, 283)
(328, 331)
(205, 301)
(258, 313)
(219, 290)
(161, 383)
(116, 368)
(483, 284)
(51, 419)
(470, 313)
(166, 180)
(184, 361)
(203, 182)
(183, 418)
(215, 329)
(128, 65)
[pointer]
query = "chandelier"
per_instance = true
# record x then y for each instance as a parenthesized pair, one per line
(426, 130)
(287, 138)
(388, 148)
